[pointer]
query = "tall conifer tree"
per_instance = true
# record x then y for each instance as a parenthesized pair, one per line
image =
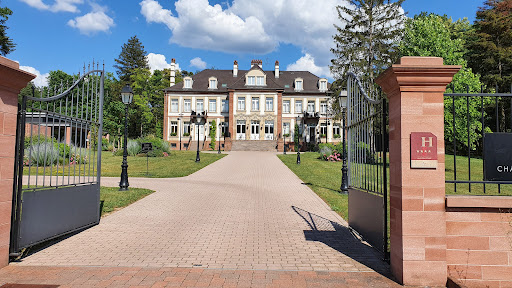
(491, 51)
(132, 57)
(367, 40)
(6, 44)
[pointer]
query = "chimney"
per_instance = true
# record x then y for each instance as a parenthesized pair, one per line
(257, 62)
(235, 69)
(277, 69)
(173, 72)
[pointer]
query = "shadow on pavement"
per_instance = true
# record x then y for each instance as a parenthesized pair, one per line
(341, 239)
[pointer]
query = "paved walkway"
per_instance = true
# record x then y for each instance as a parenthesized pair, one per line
(245, 212)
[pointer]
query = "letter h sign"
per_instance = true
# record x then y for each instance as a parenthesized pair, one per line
(423, 150)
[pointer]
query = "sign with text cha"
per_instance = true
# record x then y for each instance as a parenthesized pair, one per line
(423, 150)
(147, 147)
(498, 157)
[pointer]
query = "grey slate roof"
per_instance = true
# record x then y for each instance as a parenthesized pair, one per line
(285, 82)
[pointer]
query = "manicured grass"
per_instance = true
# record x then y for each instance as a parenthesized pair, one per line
(113, 199)
(323, 177)
(177, 164)
(476, 175)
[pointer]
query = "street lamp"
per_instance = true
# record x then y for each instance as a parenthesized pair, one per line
(284, 143)
(344, 169)
(126, 97)
(180, 127)
(219, 137)
(198, 119)
(298, 140)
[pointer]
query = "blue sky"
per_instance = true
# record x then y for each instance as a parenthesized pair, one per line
(65, 34)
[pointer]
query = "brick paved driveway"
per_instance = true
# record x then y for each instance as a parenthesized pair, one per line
(247, 211)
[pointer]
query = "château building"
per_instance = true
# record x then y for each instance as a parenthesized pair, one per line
(253, 109)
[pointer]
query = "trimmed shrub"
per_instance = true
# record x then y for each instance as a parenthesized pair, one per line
(133, 148)
(104, 144)
(41, 154)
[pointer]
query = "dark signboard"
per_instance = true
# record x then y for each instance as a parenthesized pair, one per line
(498, 156)
(147, 147)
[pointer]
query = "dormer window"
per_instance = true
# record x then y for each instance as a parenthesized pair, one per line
(255, 78)
(299, 84)
(322, 85)
(187, 83)
(213, 83)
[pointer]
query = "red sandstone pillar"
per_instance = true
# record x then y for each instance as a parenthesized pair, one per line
(12, 80)
(415, 90)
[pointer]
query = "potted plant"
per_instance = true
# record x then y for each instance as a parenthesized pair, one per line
(186, 134)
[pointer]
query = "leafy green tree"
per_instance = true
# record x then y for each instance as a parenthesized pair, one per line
(6, 44)
(213, 132)
(141, 112)
(491, 49)
(132, 57)
(438, 36)
(367, 40)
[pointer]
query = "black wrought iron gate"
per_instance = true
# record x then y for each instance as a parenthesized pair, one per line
(367, 148)
(58, 161)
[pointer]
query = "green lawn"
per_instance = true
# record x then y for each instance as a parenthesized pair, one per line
(113, 199)
(323, 177)
(177, 164)
(476, 175)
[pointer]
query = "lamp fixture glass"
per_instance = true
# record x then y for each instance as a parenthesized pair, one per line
(127, 94)
(343, 99)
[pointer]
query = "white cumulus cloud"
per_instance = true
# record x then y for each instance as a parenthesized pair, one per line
(41, 79)
(248, 26)
(307, 63)
(158, 62)
(201, 25)
(57, 6)
(198, 63)
(93, 22)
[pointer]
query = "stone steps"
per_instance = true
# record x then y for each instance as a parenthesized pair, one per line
(254, 145)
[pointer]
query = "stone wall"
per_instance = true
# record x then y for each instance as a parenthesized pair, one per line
(12, 80)
(479, 240)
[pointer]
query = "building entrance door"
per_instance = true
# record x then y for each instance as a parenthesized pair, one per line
(269, 130)
(240, 130)
(312, 133)
(255, 130)
(199, 137)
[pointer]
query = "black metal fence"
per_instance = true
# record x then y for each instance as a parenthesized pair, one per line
(58, 160)
(471, 120)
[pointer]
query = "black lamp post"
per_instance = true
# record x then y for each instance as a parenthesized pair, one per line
(127, 97)
(219, 139)
(180, 126)
(344, 169)
(298, 142)
(198, 119)
(284, 144)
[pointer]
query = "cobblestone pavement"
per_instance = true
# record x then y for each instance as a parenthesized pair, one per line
(186, 277)
(246, 215)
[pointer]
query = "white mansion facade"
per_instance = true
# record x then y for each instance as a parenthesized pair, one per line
(248, 106)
